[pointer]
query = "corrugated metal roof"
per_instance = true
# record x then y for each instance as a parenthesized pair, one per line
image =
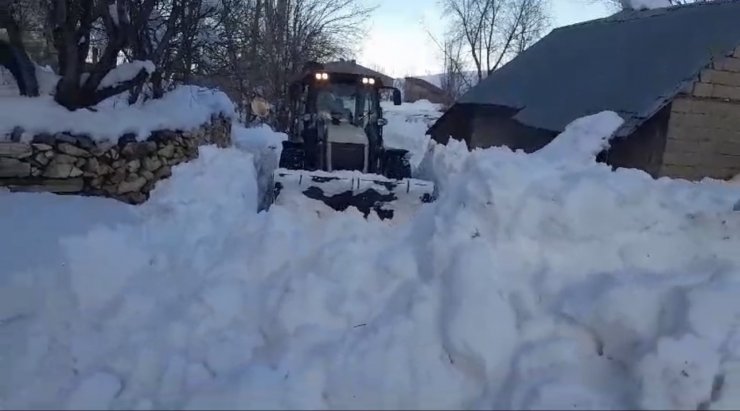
(632, 62)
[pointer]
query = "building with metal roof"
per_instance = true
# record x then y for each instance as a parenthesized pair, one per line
(351, 66)
(672, 74)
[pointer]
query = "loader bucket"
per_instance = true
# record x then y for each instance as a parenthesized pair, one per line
(342, 189)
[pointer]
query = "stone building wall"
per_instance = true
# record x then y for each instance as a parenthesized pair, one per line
(126, 170)
(704, 129)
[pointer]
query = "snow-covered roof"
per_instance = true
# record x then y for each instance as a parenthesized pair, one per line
(632, 62)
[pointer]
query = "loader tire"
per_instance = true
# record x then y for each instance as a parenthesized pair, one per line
(396, 164)
(293, 156)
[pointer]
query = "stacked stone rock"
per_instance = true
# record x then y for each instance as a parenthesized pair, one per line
(127, 170)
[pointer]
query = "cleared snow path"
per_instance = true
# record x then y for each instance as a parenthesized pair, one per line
(533, 282)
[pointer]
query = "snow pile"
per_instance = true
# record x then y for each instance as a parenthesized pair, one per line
(194, 188)
(646, 4)
(126, 72)
(529, 283)
(441, 163)
(257, 139)
(92, 292)
(20, 214)
(582, 141)
(265, 146)
(407, 126)
(184, 108)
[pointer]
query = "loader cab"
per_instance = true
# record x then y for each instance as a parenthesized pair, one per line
(343, 97)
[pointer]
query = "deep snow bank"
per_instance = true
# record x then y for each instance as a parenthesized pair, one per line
(101, 292)
(530, 283)
(265, 146)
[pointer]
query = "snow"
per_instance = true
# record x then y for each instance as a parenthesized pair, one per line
(113, 12)
(184, 108)
(47, 80)
(407, 126)
(534, 281)
(265, 146)
(8, 85)
(94, 392)
(126, 72)
(648, 4)
(577, 146)
(257, 139)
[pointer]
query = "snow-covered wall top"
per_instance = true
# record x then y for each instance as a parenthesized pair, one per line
(184, 108)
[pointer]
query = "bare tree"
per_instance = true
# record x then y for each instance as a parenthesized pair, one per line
(273, 39)
(23, 23)
(22, 19)
(73, 23)
(9, 16)
(494, 30)
(529, 24)
(246, 47)
(454, 82)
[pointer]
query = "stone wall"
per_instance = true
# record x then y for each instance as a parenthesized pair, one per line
(126, 170)
(704, 129)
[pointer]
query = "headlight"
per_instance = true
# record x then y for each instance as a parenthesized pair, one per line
(364, 80)
(371, 80)
(324, 76)
(318, 76)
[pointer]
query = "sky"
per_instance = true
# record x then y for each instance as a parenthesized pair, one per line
(398, 42)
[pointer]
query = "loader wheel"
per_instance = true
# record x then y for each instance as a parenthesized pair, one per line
(293, 156)
(395, 164)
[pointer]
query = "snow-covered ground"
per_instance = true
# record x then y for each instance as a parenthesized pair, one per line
(534, 281)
